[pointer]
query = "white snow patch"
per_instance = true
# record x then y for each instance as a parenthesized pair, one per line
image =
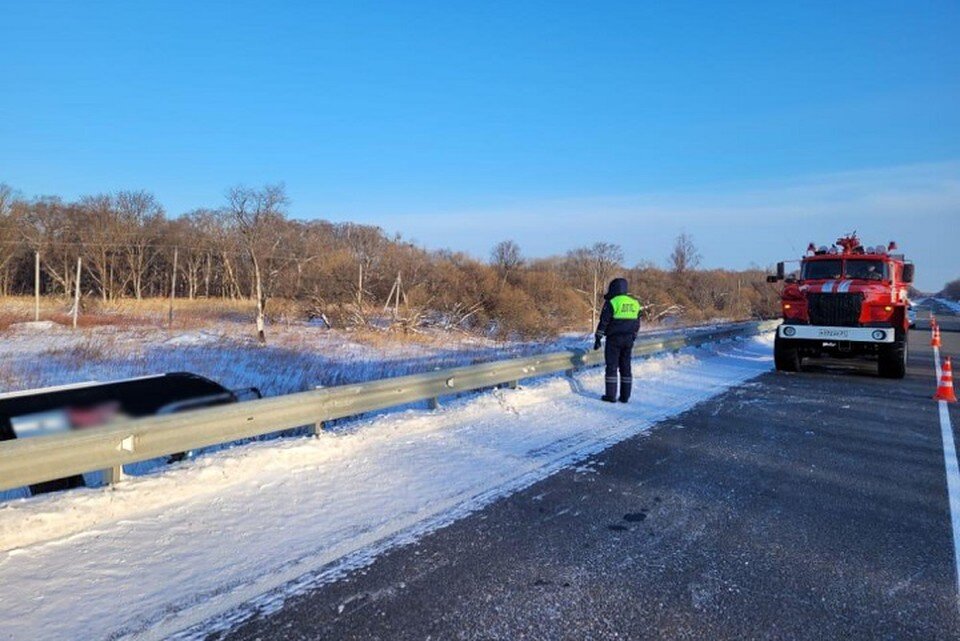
(954, 306)
(194, 338)
(208, 542)
(36, 326)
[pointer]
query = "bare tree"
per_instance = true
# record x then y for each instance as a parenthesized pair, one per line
(607, 258)
(101, 234)
(589, 268)
(140, 217)
(185, 233)
(8, 233)
(259, 217)
(685, 255)
(7, 196)
(367, 244)
(506, 258)
(63, 247)
(248, 248)
(49, 227)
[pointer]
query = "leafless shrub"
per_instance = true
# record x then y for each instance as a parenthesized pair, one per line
(248, 262)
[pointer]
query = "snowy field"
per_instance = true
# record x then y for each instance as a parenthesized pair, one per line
(201, 545)
(954, 306)
(299, 356)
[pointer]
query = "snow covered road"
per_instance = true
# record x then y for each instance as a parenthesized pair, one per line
(203, 545)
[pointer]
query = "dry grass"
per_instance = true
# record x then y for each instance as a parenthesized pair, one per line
(9, 318)
(88, 351)
(235, 316)
(385, 338)
(99, 320)
(211, 308)
(149, 312)
(126, 321)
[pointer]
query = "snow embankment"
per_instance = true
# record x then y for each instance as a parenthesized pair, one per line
(952, 305)
(206, 543)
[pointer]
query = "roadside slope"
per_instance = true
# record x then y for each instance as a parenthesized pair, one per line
(241, 530)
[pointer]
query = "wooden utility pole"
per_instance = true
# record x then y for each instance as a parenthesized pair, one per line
(396, 304)
(173, 288)
(36, 286)
(76, 294)
(360, 287)
(593, 302)
(395, 293)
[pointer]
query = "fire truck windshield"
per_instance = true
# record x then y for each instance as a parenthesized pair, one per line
(836, 269)
(822, 269)
(866, 269)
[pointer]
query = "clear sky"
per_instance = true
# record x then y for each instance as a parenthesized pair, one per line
(754, 126)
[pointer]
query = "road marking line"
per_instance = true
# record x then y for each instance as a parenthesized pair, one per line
(953, 473)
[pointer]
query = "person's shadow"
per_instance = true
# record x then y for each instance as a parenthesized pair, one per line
(576, 386)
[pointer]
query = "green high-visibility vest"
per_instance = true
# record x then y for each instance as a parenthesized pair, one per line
(625, 307)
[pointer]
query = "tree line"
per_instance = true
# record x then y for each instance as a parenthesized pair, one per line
(345, 273)
(951, 290)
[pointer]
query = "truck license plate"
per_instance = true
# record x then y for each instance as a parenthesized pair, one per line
(833, 333)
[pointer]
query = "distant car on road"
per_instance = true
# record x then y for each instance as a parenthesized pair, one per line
(911, 316)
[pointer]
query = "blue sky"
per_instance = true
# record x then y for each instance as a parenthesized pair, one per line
(755, 126)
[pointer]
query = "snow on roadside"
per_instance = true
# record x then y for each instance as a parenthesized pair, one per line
(211, 541)
(299, 356)
(954, 306)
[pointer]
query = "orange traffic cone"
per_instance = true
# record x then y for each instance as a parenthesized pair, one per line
(945, 389)
(935, 341)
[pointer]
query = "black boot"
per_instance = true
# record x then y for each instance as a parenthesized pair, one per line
(611, 395)
(626, 386)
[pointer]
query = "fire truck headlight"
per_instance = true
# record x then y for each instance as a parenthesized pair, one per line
(879, 335)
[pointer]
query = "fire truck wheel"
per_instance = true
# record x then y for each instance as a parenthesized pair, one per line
(892, 359)
(786, 357)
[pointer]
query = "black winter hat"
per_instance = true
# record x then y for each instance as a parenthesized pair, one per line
(617, 287)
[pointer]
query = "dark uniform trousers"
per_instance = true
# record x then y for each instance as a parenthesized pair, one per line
(617, 353)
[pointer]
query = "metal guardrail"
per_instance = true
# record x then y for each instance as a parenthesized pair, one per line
(43, 458)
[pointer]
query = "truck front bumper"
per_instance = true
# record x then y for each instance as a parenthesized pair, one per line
(835, 334)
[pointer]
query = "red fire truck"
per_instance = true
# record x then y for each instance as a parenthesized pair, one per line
(845, 301)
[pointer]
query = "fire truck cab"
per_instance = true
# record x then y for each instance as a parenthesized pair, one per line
(845, 301)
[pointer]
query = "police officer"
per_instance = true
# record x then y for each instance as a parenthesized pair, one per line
(619, 323)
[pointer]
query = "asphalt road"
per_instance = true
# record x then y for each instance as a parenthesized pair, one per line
(796, 506)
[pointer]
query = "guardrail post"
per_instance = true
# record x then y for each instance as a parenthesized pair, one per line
(513, 384)
(317, 428)
(112, 475)
(433, 403)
